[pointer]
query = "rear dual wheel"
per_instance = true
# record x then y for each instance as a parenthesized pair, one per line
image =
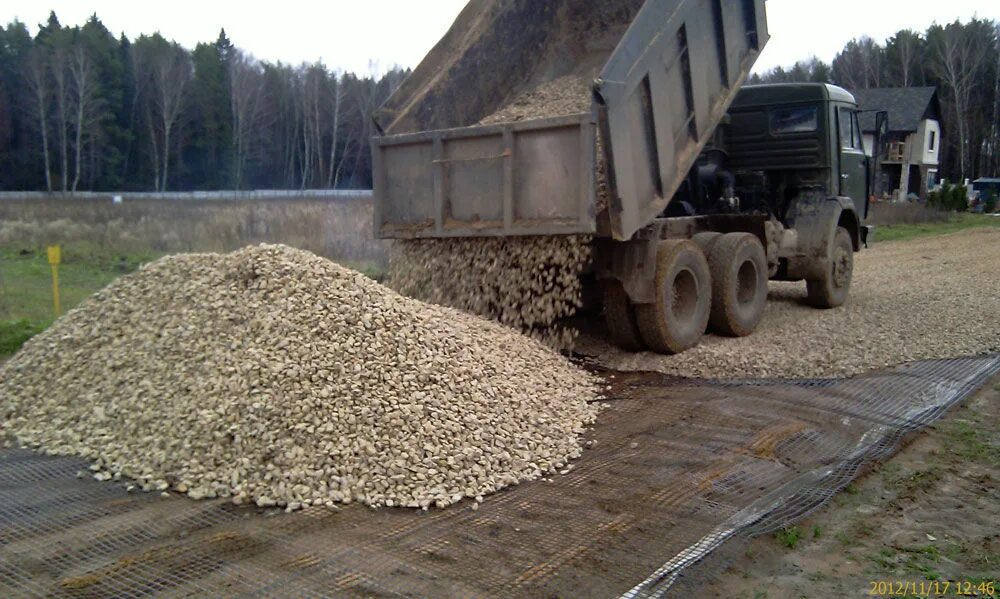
(619, 314)
(677, 318)
(713, 279)
(739, 284)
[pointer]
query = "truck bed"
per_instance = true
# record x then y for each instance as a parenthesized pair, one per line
(658, 78)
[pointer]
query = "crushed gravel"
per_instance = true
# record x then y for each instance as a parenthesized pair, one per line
(273, 376)
(932, 297)
(559, 97)
(527, 283)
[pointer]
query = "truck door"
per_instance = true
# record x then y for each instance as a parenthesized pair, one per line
(853, 161)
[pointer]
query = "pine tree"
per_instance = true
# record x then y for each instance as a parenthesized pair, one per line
(211, 132)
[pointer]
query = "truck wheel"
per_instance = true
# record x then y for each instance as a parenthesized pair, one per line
(832, 290)
(677, 320)
(739, 284)
(707, 240)
(619, 314)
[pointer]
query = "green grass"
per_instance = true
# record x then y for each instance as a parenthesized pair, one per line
(860, 527)
(958, 222)
(971, 442)
(26, 306)
(885, 559)
(14, 333)
(789, 537)
(372, 270)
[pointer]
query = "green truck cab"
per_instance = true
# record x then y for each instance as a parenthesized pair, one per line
(796, 153)
(806, 138)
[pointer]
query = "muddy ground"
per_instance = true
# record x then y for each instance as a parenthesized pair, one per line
(928, 514)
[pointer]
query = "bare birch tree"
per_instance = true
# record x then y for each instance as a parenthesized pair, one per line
(337, 98)
(36, 79)
(58, 68)
(81, 71)
(167, 69)
(994, 153)
(246, 91)
(957, 59)
(902, 55)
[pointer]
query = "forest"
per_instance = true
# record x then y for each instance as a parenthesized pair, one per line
(84, 110)
(962, 60)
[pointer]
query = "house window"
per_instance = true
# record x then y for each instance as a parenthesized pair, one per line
(897, 150)
(933, 142)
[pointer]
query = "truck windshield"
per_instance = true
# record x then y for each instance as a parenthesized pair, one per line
(794, 120)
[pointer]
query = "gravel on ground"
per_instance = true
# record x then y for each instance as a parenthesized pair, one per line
(931, 297)
(273, 376)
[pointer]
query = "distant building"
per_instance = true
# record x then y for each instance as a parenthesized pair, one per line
(912, 149)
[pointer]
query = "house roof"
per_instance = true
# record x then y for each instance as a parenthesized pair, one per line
(907, 106)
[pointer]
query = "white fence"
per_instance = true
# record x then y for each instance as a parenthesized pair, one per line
(230, 196)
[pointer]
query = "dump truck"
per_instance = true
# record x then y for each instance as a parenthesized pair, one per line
(695, 188)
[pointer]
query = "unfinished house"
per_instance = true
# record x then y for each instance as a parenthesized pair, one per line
(909, 160)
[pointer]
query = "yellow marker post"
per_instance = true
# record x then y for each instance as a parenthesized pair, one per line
(55, 257)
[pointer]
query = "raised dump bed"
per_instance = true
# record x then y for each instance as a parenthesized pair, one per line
(646, 84)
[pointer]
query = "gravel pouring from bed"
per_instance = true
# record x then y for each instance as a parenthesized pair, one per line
(527, 283)
(927, 298)
(274, 376)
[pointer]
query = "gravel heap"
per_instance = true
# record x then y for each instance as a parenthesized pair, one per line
(528, 283)
(273, 376)
(927, 298)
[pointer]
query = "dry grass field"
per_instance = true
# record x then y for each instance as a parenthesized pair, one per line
(336, 229)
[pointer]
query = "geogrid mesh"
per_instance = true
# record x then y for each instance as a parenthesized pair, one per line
(679, 467)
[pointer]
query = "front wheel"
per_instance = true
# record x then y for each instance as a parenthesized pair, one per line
(832, 289)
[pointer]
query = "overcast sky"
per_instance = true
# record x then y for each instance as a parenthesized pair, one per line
(363, 35)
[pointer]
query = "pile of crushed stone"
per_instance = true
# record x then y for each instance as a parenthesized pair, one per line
(273, 376)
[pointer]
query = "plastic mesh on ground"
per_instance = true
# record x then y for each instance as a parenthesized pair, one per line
(678, 468)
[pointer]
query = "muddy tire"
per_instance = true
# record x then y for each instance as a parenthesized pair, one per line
(832, 289)
(707, 240)
(619, 314)
(739, 284)
(677, 320)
